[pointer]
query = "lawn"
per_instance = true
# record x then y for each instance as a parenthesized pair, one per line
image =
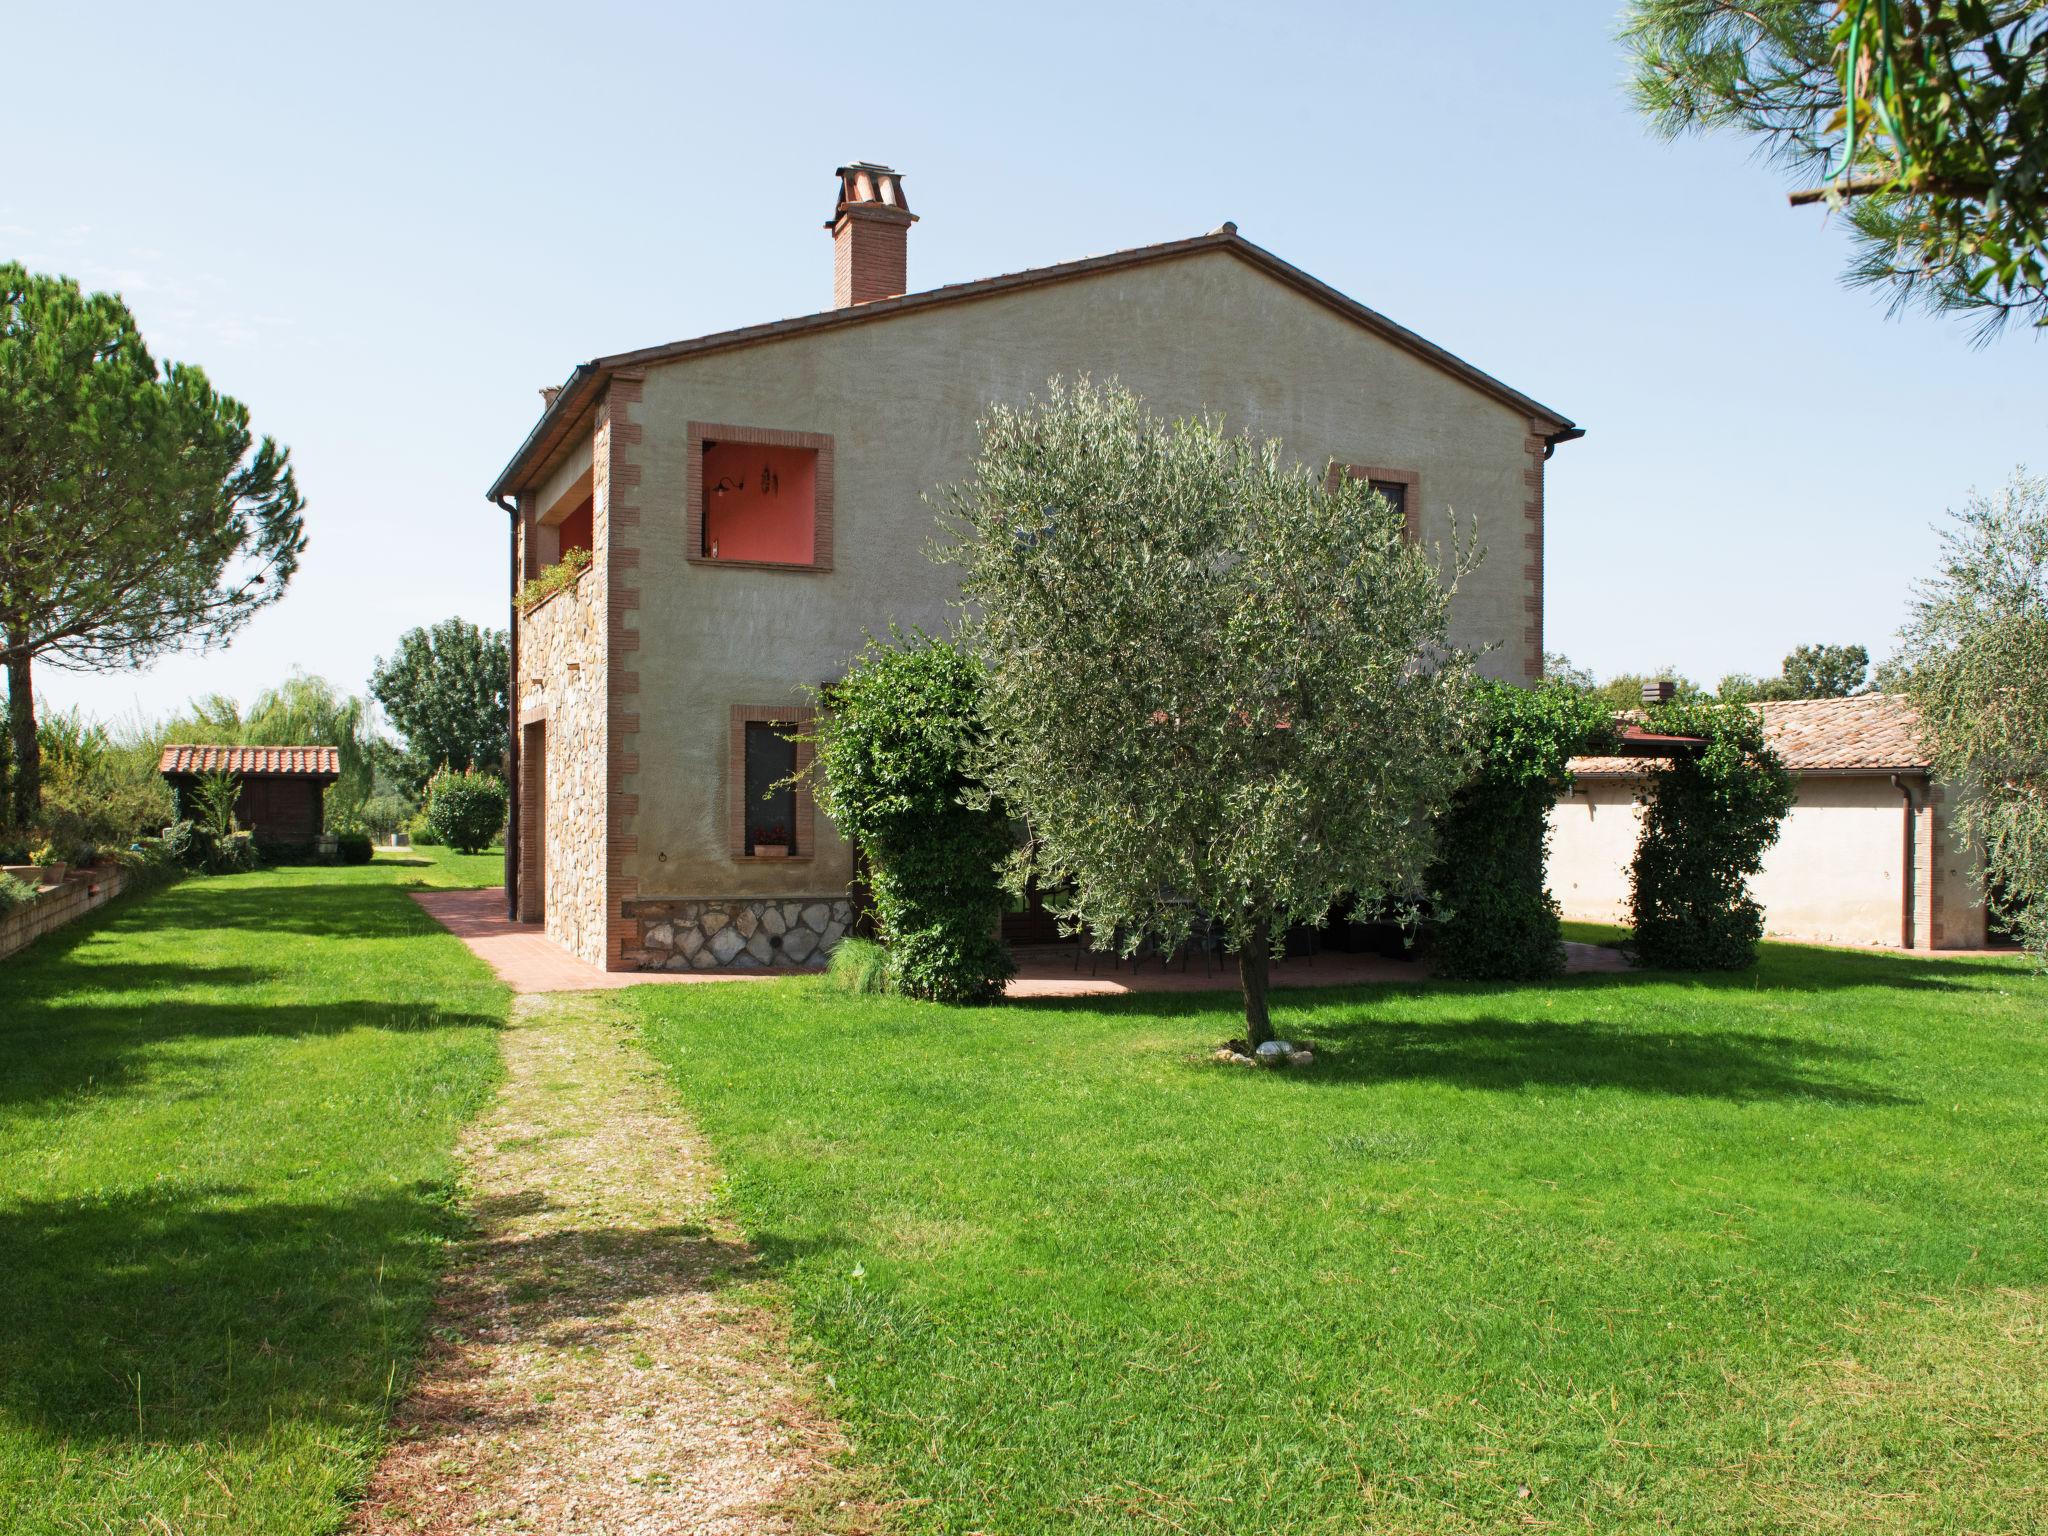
(1763, 1253)
(227, 1122)
(444, 868)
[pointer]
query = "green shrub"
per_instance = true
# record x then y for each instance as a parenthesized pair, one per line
(466, 810)
(96, 789)
(352, 847)
(1495, 918)
(382, 815)
(1708, 822)
(198, 846)
(214, 797)
(562, 573)
(15, 892)
(234, 854)
(858, 965)
(420, 832)
(893, 743)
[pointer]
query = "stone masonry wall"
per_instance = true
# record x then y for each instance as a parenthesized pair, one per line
(746, 933)
(562, 686)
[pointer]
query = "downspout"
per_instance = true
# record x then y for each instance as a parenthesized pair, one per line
(1905, 862)
(512, 774)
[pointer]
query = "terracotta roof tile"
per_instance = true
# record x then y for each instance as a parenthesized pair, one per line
(1872, 732)
(318, 762)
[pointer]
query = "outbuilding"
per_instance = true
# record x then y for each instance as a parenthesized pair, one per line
(1868, 855)
(283, 795)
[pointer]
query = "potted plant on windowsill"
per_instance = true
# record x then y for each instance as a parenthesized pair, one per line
(771, 842)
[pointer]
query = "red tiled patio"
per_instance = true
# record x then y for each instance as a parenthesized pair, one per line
(526, 960)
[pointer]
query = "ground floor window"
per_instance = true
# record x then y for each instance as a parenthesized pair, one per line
(769, 816)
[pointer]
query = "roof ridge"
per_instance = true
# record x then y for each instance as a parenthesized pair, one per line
(578, 391)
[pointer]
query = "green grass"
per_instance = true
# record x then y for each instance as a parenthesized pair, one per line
(1631, 1253)
(227, 1118)
(443, 868)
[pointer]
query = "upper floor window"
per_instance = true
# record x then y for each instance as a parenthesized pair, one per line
(1401, 489)
(760, 497)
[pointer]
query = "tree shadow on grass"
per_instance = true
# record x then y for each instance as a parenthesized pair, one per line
(323, 909)
(240, 1315)
(1372, 1044)
(1509, 1055)
(55, 1051)
(225, 1315)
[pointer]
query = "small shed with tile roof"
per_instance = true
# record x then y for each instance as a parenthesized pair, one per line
(1868, 855)
(283, 794)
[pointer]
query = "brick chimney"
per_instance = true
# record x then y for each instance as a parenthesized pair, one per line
(870, 227)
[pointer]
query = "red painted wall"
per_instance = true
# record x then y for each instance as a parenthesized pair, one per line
(575, 528)
(767, 510)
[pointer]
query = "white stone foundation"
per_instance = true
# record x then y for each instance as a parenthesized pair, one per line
(743, 933)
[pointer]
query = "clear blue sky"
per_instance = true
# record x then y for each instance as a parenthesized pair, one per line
(384, 229)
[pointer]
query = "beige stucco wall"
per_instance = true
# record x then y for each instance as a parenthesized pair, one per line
(1960, 920)
(900, 398)
(1832, 878)
(1593, 833)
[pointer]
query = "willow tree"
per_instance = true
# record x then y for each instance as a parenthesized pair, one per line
(1219, 685)
(138, 514)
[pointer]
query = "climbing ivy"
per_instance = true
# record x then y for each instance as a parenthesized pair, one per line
(1495, 918)
(893, 739)
(1709, 819)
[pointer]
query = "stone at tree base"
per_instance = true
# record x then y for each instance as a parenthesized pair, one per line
(1234, 1058)
(1301, 1058)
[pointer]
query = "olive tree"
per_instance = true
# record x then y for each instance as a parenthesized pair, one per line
(1976, 664)
(1219, 685)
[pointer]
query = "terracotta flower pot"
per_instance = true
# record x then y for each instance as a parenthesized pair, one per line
(771, 850)
(53, 874)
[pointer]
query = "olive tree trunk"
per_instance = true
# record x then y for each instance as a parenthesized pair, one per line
(1252, 960)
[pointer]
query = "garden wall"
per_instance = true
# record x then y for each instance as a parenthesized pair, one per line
(78, 895)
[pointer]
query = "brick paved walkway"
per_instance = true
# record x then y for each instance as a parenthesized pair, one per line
(526, 960)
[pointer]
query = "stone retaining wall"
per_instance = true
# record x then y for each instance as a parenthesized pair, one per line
(78, 895)
(745, 933)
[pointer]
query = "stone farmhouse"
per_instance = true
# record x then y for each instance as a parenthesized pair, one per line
(1868, 855)
(752, 503)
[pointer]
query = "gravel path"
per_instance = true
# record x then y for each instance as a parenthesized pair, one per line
(591, 1371)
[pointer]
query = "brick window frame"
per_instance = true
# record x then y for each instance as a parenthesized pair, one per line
(803, 811)
(701, 432)
(1411, 499)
